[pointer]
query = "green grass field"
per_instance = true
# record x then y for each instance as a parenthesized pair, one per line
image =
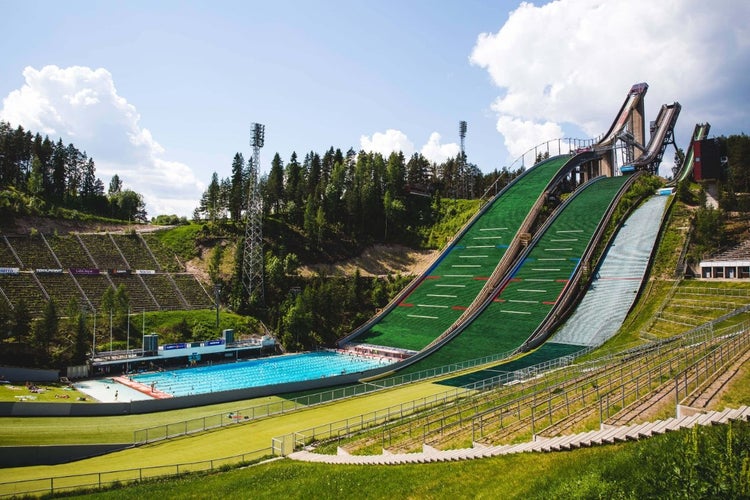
(225, 442)
(703, 463)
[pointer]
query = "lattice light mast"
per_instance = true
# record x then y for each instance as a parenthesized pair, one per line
(462, 174)
(252, 258)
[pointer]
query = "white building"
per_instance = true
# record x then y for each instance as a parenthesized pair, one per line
(729, 264)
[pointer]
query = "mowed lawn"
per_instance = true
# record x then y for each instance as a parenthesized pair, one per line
(20, 431)
(220, 443)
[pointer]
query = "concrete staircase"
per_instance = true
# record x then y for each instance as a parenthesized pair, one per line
(606, 435)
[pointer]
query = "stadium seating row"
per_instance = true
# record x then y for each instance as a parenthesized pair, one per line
(84, 266)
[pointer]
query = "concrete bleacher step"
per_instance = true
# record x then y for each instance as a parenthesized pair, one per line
(521, 447)
(586, 440)
(608, 434)
(630, 433)
(719, 415)
(553, 444)
(693, 420)
(735, 414)
(706, 418)
(570, 442)
(485, 451)
(662, 427)
(646, 429)
(615, 435)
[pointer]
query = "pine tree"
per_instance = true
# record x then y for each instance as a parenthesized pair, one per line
(115, 185)
(21, 321)
(275, 185)
(45, 330)
(237, 196)
(293, 190)
(59, 160)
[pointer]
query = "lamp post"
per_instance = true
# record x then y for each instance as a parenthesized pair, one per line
(93, 337)
(127, 348)
(217, 292)
(111, 352)
(143, 334)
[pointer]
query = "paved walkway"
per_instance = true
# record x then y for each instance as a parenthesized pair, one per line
(605, 435)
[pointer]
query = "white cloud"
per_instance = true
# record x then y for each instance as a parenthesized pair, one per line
(82, 106)
(388, 142)
(438, 153)
(522, 135)
(573, 61)
(395, 140)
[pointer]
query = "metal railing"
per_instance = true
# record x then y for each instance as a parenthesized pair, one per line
(104, 479)
(626, 377)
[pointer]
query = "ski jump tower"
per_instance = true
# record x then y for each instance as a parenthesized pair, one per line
(252, 258)
(627, 133)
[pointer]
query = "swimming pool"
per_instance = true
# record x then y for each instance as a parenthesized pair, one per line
(256, 373)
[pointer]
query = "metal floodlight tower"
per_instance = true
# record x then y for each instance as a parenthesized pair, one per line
(462, 159)
(462, 134)
(252, 258)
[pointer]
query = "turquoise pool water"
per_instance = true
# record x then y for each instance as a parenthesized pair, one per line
(256, 372)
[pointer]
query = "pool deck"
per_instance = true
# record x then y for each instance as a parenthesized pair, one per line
(143, 388)
(110, 391)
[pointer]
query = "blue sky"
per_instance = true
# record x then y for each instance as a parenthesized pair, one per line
(163, 93)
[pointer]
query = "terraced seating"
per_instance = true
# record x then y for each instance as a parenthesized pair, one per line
(140, 298)
(94, 286)
(693, 303)
(69, 251)
(33, 252)
(530, 295)
(453, 283)
(606, 435)
(164, 290)
(23, 286)
(136, 254)
(193, 292)
(165, 258)
(7, 259)
(104, 252)
(61, 289)
(77, 251)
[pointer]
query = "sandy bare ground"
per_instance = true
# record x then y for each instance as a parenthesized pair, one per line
(46, 225)
(378, 260)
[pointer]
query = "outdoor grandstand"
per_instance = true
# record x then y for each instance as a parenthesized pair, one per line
(37, 268)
